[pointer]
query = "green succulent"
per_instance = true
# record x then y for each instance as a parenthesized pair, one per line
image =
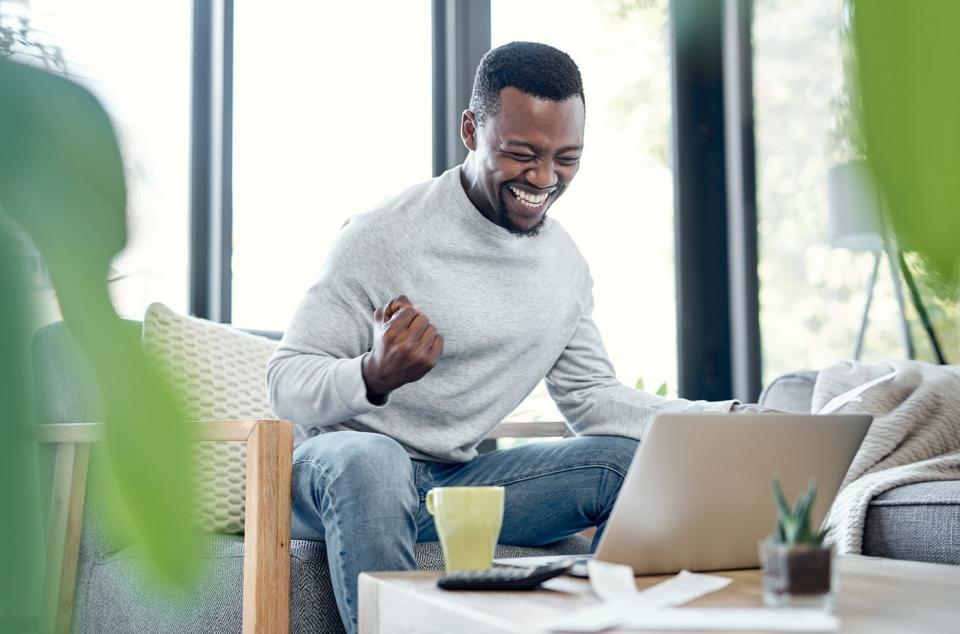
(793, 525)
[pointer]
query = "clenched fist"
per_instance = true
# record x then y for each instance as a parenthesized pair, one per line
(405, 348)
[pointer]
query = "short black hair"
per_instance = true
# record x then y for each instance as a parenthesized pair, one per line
(534, 68)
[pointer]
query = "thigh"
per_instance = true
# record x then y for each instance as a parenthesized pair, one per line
(552, 489)
(347, 474)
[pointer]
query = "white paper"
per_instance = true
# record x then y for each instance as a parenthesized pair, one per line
(533, 562)
(740, 619)
(608, 580)
(683, 588)
(567, 585)
(853, 395)
(611, 582)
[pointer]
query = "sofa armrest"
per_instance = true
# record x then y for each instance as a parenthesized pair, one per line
(266, 566)
(228, 430)
(266, 540)
(539, 429)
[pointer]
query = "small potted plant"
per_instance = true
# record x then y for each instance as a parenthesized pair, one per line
(798, 568)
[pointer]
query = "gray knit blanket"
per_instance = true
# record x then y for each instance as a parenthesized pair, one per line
(915, 435)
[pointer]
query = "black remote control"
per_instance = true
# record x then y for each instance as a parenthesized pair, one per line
(503, 578)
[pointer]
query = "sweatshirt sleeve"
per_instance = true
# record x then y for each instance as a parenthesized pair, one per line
(314, 378)
(585, 388)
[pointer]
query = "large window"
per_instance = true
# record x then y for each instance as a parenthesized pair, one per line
(813, 292)
(135, 57)
(332, 113)
(619, 209)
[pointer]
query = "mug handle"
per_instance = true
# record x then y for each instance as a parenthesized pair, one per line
(431, 496)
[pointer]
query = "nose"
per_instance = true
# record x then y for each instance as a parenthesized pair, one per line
(543, 175)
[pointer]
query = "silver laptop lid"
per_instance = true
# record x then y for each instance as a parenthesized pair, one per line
(698, 494)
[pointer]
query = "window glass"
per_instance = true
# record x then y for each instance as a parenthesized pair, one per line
(332, 113)
(619, 209)
(814, 289)
(135, 57)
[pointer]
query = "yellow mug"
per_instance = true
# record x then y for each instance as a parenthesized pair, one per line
(468, 522)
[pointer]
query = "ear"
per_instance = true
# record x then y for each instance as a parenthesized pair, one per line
(468, 130)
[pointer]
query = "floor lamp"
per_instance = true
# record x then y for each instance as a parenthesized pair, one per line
(857, 223)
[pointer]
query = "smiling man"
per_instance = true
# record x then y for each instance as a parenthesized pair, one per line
(524, 143)
(434, 316)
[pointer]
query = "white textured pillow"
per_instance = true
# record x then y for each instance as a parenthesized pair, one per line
(222, 373)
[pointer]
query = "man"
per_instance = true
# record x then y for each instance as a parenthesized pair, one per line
(436, 314)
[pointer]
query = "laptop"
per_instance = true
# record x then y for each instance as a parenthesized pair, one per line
(698, 493)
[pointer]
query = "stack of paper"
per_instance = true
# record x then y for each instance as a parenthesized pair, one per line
(626, 607)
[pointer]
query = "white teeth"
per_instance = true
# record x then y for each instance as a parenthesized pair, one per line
(529, 199)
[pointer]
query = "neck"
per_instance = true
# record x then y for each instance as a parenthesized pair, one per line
(471, 186)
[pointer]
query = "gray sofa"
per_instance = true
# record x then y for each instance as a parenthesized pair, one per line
(113, 594)
(917, 522)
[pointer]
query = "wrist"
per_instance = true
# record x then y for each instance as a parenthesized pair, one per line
(376, 394)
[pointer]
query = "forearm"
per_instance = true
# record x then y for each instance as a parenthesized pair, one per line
(609, 408)
(316, 390)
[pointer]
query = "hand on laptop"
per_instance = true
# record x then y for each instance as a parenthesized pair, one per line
(753, 408)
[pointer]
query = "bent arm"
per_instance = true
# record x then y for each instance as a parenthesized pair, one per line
(585, 388)
(315, 377)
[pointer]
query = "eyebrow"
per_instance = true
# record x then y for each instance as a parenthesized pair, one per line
(534, 148)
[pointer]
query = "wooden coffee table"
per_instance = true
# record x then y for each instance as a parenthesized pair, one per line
(876, 596)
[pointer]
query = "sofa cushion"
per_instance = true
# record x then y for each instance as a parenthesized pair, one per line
(122, 600)
(791, 392)
(917, 522)
(221, 373)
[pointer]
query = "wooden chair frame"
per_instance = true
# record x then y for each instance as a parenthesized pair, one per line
(266, 542)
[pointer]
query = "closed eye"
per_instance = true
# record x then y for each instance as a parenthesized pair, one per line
(569, 160)
(523, 158)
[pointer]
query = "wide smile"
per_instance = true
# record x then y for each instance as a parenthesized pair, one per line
(532, 201)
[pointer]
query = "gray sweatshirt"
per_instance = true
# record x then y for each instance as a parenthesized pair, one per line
(512, 311)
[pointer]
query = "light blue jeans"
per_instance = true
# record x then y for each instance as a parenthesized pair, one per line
(364, 496)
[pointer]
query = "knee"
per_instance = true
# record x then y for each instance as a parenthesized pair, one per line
(613, 454)
(356, 463)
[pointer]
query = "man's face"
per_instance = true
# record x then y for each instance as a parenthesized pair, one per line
(525, 156)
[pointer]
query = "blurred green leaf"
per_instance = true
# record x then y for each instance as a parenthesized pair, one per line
(906, 56)
(662, 390)
(778, 536)
(820, 536)
(793, 525)
(790, 529)
(639, 384)
(783, 509)
(61, 180)
(21, 555)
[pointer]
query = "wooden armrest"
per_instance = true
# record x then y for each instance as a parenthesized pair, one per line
(543, 429)
(266, 541)
(266, 562)
(224, 430)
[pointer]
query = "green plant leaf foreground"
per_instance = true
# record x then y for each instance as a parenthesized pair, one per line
(906, 55)
(21, 553)
(61, 180)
